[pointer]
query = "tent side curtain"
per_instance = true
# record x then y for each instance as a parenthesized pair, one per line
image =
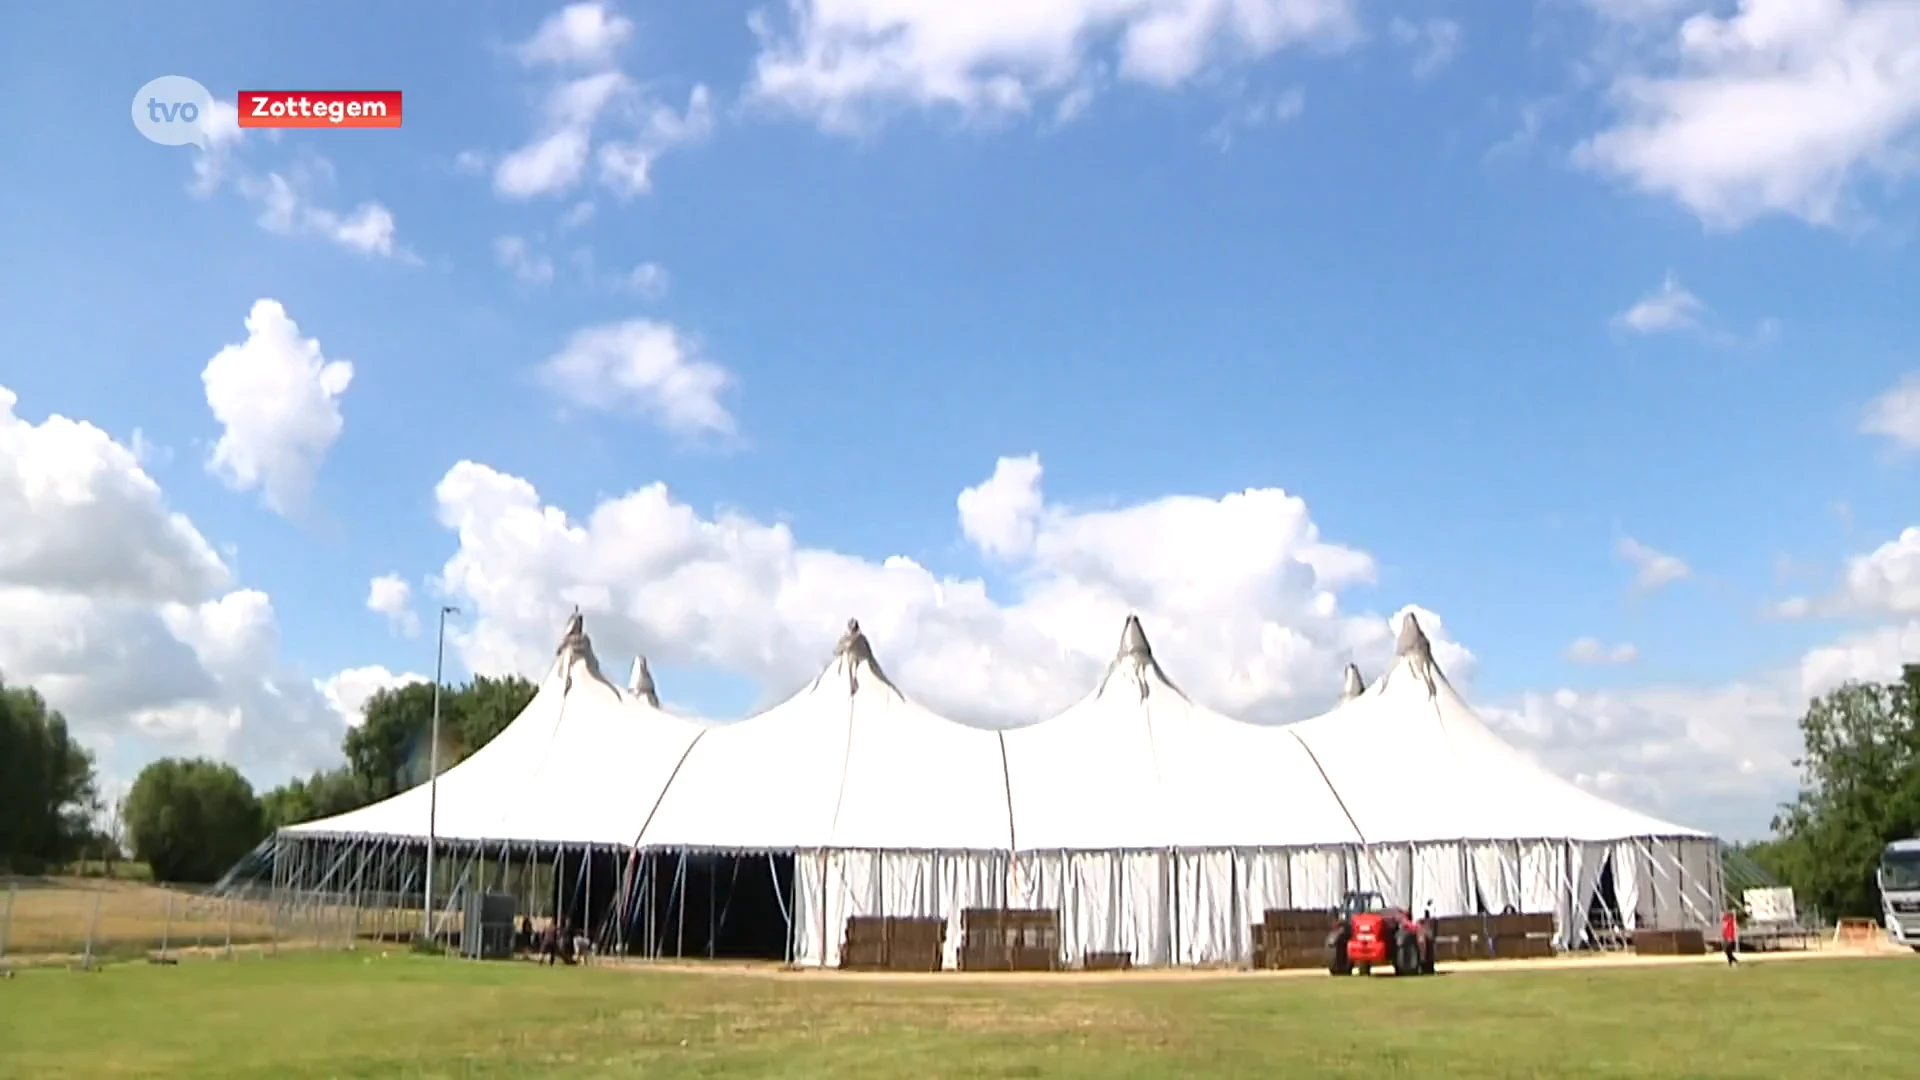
(1196, 907)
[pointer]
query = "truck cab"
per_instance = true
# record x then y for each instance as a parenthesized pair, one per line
(1899, 881)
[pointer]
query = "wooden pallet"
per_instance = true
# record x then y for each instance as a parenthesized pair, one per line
(1009, 939)
(893, 943)
(1669, 943)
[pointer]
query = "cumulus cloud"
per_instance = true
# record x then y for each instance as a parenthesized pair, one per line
(1776, 107)
(277, 399)
(1651, 569)
(391, 596)
(83, 516)
(588, 97)
(1241, 594)
(118, 610)
(645, 368)
(347, 692)
(848, 63)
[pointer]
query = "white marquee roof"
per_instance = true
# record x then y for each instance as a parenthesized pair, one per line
(847, 762)
(1135, 764)
(1412, 761)
(850, 762)
(582, 764)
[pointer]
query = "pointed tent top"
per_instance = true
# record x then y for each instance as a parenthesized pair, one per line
(576, 643)
(854, 649)
(1416, 652)
(1133, 640)
(1413, 640)
(640, 683)
(1135, 659)
(1353, 685)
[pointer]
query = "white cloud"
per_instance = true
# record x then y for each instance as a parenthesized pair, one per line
(287, 209)
(278, 402)
(1671, 308)
(1651, 569)
(1588, 650)
(114, 607)
(512, 253)
(83, 516)
(1779, 107)
(646, 368)
(347, 692)
(580, 214)
(1895, 414)
(286, 197)
(470, 162)
(1434, 42)
(390, 595)
(587, 34)
(1886, 580)
(626, 167)
(844, 64)
(1241, 594)
(585, 38)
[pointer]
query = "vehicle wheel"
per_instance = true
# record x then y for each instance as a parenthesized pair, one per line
(1338, 962)
(1406, 953)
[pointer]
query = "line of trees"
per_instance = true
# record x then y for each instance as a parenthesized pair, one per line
(192, 819)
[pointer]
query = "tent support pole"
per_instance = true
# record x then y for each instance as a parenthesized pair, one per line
(680, 933)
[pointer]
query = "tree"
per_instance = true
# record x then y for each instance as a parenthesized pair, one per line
(1860, 788)
(47, 790)
(192, 819)
(389, 752)
(324, 794)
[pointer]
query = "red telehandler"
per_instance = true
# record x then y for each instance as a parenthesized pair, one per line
(1371, 934)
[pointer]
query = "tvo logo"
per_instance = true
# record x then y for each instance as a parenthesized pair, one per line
(173, 110)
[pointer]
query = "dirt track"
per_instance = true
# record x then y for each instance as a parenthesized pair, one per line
(1141, 975)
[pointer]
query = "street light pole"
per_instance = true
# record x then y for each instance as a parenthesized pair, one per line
(433, 769)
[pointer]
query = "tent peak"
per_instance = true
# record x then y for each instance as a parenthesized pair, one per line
(1135, 659)
(855, 652)
(576, 646)
(640, 683)
(1413, 643)
(1133, 640)
(1352, 685)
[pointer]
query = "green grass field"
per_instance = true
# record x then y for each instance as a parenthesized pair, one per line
(364, 1015)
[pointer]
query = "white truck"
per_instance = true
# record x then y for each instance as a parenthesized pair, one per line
(1899, 880)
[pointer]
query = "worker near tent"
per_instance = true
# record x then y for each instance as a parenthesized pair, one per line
(1730, 936)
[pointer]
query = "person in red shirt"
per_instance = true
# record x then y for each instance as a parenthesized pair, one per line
(1730, 936)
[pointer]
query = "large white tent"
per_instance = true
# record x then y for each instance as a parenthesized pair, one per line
(1155, 826)
(581, 765)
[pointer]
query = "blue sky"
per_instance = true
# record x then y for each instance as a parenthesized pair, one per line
(1386, 264)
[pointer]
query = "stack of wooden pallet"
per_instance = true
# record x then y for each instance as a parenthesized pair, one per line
(1292, 938)
(1669, 942)
(893, 943)
(1009, 939)
(1487, 937)
(1107, 961)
